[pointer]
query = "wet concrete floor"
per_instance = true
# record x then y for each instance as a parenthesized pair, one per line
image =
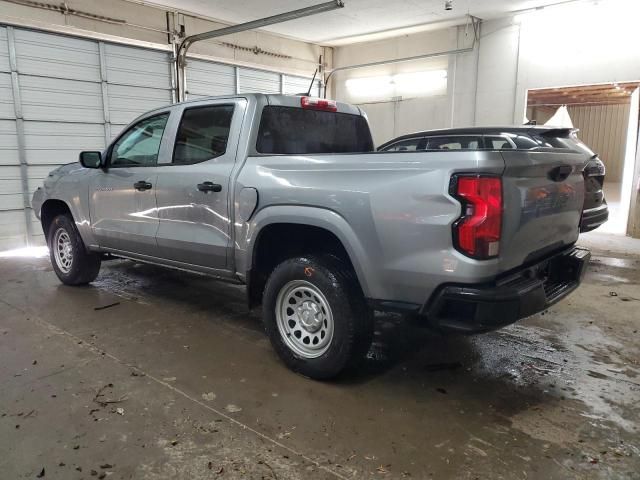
(177, 380)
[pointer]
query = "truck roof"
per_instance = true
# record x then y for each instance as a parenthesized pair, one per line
(275, 99)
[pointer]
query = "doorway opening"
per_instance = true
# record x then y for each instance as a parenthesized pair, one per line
(607, 118)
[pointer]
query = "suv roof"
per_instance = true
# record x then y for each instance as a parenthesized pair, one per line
(518, 129)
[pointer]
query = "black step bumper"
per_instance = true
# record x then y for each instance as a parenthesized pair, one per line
(484, 307)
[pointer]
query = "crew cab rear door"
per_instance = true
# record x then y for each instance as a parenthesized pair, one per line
(194, 184)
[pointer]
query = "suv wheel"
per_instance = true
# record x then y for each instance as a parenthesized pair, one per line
(69, 257)
(316, 316)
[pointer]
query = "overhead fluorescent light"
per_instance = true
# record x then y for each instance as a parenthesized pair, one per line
(430, 82)
(370, 86)
(420, 82)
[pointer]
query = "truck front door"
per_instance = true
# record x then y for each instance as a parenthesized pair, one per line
(122, 197)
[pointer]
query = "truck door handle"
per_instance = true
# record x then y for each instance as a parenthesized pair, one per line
(209, 187)
(142, 185)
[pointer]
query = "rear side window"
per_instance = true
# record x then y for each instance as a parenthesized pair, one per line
(409, 145)
(524, 142)
(289, 130)
(457, 142)
(497, 143)
(202, 134)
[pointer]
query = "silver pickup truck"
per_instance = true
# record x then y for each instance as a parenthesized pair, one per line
(286, 195)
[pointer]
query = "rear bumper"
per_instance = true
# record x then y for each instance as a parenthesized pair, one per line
(484, 307)
(593, 218)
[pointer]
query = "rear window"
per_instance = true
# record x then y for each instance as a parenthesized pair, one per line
(570, 142)
(290, 130)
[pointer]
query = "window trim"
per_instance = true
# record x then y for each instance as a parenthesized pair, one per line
(482, 141)
(175, 139)
(486, 139)
(419, 138)
(453, 136)
(109, 152)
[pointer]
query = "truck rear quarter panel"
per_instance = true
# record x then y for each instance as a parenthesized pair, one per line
(392, 211)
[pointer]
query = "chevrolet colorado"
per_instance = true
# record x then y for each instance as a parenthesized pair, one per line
(285, 195)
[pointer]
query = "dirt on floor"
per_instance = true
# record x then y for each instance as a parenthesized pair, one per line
(156, 374)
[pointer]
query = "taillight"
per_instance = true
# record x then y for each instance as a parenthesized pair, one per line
(314, 103)
(595, 167)
(477, 232)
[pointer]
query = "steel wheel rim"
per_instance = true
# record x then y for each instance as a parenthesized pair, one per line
(62, 250)
(304, 319)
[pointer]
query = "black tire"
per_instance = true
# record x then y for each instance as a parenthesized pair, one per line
(84, 265)
(352, 320)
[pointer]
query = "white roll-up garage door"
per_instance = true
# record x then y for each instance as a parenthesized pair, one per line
(138, 80)
(209, 78)
(205, 78)
(71, 94)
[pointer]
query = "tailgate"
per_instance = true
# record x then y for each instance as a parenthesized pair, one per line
(543, 196)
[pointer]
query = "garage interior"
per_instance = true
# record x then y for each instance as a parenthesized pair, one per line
(606, 116)
(153, 373)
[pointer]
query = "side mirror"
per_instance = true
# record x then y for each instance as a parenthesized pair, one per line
(91, 159)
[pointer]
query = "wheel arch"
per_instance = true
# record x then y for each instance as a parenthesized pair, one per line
(49, 210)
(294, 228)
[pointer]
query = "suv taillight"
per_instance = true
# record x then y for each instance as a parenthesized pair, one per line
(477, 232)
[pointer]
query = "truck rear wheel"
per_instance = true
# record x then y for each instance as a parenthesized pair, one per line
(69, 257)
(316, 316)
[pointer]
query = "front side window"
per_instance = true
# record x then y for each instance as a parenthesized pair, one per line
(457, 142)
(290, 130)
(203, 134)
(409, 145)
(140, 145)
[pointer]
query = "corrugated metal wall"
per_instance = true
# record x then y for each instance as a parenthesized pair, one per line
(60, 95)
(206, 78)
(209, 78)
(602, 127)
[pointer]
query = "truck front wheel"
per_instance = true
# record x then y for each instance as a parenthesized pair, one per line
(70, 260)
(316, 316)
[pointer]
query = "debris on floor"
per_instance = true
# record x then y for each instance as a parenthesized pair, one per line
(104, 307)
(231, 408)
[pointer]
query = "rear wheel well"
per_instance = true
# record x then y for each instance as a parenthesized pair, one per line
(277, 242)
(50, 210)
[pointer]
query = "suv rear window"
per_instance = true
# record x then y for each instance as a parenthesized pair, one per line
(570, 142)
(290, 130)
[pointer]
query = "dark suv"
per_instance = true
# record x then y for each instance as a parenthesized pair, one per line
(537, 139)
